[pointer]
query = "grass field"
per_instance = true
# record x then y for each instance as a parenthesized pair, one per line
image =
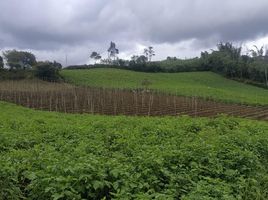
(63, 156)
(202, 84)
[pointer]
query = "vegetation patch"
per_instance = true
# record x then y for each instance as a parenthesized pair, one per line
(198, 84)
(61, 156)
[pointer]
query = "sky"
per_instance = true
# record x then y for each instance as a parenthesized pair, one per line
(72, 29)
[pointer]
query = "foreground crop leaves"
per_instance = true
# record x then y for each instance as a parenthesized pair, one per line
(56, 156)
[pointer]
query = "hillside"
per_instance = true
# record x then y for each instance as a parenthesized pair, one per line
(202, 84)
(64, 156)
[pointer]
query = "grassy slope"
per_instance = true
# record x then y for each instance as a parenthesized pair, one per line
(61, 156)
(203, 84)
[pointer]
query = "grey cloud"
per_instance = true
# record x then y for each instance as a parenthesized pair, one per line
(200, 19)
(57, 26)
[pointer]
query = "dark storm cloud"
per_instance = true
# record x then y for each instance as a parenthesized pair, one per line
(59, 24)
(174, 21)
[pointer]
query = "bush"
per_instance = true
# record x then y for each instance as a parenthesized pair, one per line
(15, 74)
(47, 71)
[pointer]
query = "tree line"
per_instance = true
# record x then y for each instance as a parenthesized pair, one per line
(226, 60)
(113, 58)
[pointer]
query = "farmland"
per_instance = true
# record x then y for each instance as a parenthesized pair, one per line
(46, 155)
(200, 84)
(85, 151)
(133, 100)
(71, 99)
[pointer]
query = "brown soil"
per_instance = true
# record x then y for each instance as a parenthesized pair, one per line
(70, 99)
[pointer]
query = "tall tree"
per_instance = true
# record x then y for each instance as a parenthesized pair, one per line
(261, 56)
(19, 59)
(112, 51)
(149, 53)
(257, 52)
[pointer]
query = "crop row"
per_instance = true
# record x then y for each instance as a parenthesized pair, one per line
(69, 99)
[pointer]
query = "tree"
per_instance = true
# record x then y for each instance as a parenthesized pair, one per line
(57, 65)
(142, 59)
(105, 61)
(47, 71)
(230, 49)
(171, 58)
(134, 58)
(96, 56)
(19, 59)
(257, 52)
(123, 63)
(225, 60)
(1, 63)
(138, 59)
(261, 57)
(149, 53)
(112, 51)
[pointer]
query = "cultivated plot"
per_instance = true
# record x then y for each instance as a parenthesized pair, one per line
(70, 99)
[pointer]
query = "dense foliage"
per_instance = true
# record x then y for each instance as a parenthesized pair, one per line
(48, 71)
(1, 62)
(22, 65)
(181, 65)
(43, 70)
(140, 64)
(169, 65)
(202, 84)
(15, 74)
(19, 59)
(58, 156)
(227, 60)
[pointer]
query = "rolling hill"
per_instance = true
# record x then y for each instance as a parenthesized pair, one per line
(200, 84)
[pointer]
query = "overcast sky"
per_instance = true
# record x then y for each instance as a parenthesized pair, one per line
(54, 28)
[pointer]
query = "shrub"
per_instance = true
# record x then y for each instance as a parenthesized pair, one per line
(47, 71)
(15, 74)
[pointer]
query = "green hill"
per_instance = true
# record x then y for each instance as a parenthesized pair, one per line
(64, 156)
(202, 84)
